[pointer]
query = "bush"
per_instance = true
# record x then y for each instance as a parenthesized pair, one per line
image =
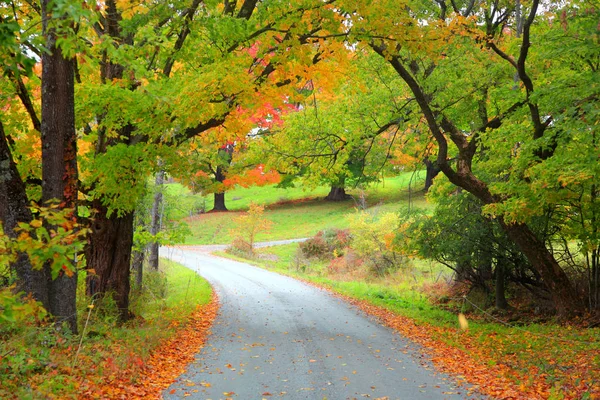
(374, 241)
(240, 248)
(327, 244)
(315, 247)
(349, 263)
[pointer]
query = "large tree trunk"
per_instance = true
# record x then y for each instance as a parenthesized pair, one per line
(565, 298)
(59, 156)
(109, 255)
(337, 193)
(14, 208)
(219, 204)
(500, 289)
(156, 217)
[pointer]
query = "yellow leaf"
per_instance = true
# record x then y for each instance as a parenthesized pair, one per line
(462, 321)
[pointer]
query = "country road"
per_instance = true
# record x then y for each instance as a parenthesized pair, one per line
(276, 337)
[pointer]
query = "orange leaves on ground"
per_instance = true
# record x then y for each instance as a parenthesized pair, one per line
(474, 364)
(146, 379)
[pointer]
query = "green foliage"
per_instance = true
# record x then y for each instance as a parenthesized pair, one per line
(118, 176)
(11, 55)
(50, 237)
(249, 224)
(15, 310)
(373, 240)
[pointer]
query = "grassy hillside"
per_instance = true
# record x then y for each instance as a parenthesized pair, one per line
(295, 212)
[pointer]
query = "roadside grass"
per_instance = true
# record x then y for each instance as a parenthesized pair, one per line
(36, 361)
(550, 360)
(296, 213)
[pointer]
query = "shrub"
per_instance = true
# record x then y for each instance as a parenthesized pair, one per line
(250, 224)
(349, 263)
(326, 244)
(315, 247)
(373, 240)
(240, 248)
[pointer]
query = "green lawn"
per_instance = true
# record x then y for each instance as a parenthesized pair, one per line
(296, 213)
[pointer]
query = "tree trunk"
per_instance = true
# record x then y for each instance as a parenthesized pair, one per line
(137, 265)
(59, 156)
(219, 202)
(565, 298)
(431, 171)
(337, 194)
(501, 302)
(14, 208)
(155, 225)
(109, 255)
(219, 197)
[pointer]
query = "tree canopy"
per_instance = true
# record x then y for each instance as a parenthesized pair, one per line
(503, 94)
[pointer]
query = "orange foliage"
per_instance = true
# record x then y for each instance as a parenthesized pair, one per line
(162, 367)
(254, 177)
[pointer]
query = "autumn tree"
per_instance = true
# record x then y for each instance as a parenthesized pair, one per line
(470, 111)
(59, 146)
(55, 289)
(167, 73)
(341, 136)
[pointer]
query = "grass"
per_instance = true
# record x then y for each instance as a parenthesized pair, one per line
(38, 362)
(296, 213)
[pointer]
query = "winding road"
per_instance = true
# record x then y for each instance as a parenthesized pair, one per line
(276, 337)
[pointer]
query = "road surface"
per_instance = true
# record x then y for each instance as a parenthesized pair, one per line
(278, 338)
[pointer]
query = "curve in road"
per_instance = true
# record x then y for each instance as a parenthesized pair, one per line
(276, 337)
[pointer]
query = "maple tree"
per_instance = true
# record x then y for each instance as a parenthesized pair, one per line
(340, 136)
(469, 112)
(54, 286)
(140, 92)
(199, 99)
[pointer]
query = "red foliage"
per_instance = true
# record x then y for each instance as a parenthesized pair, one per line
(254, 177)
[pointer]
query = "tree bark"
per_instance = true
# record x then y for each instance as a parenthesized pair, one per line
(59, 156)
(109, 255)
(14, 208)
(565, 298)
(431, 171)
(501, 302)
(337, 193)
(155, 225)
(219, 204)
(137, 265)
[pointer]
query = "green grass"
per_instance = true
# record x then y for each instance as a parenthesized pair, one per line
(296, 213)
(399, 292)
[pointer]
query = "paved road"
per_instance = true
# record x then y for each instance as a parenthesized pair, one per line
(276, 337)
